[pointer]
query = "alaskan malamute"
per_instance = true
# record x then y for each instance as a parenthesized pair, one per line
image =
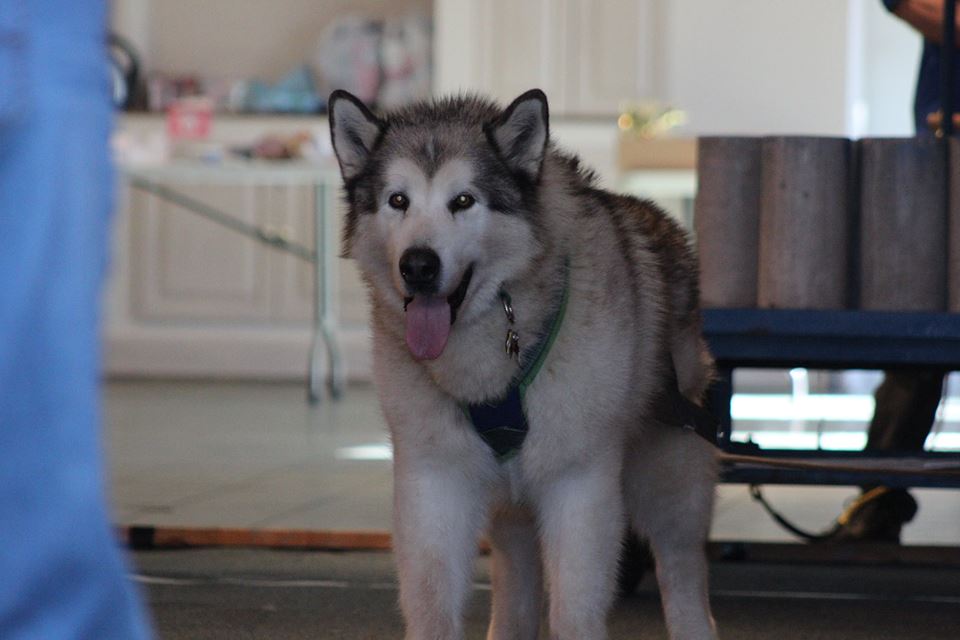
(533, 337)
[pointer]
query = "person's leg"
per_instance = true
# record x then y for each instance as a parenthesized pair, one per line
(906, 406)
(62, 574)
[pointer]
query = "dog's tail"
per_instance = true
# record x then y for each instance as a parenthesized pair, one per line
(692, 359)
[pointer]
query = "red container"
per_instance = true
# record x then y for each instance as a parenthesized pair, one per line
(190, 119)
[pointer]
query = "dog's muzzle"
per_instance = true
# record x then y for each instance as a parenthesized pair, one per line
(429, 316)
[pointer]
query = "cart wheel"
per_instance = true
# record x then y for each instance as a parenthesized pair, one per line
(635, 560)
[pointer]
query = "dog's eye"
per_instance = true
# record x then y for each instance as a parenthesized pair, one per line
(399, 201)
(461, 202)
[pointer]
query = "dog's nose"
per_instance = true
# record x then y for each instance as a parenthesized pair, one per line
(420, 268)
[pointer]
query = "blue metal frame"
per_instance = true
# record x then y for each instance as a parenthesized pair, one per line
(777, 338)
(833, 339)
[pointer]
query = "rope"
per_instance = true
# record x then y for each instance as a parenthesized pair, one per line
(838, 524)
(786, 524)
(949, 470)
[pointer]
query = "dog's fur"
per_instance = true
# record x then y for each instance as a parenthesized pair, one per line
(598, 456)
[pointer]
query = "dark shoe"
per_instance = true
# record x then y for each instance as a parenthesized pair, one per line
(877, 515)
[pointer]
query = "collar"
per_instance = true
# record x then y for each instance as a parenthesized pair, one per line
(502, 423)
(535, 357)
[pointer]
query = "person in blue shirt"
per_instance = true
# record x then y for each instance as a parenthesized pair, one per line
(61, 575)
(926, 16)
(906, 401)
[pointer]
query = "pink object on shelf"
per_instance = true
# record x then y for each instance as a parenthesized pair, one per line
(190, 119)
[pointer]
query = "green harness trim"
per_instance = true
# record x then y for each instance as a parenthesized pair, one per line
(533, 368)
(502, 423)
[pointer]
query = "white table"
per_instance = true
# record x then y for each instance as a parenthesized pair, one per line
(323, 179)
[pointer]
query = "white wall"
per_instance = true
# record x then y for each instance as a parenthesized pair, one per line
(238, 38)
(758, 66)
(829, 67)
(891, 58)
(736, 66)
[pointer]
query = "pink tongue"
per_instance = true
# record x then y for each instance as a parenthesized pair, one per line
(428, 326)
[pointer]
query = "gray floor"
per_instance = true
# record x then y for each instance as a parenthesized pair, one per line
(256, 455)
(220, 595)
(199, 454)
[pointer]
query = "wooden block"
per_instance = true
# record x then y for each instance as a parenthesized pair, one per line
(953, 224)
(656, 153)
(804, 223)
(726, 219)
(903, 224)
(149, 537)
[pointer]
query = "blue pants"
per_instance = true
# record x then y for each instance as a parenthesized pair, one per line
(61, 575)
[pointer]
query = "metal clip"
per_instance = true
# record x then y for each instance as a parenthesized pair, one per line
(507, 306)
(512, 344)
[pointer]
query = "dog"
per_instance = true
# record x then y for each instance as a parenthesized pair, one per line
(533, 335)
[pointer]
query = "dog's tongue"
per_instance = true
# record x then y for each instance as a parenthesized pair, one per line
(428, 326)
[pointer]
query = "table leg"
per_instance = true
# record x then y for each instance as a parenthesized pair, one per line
(325, 287)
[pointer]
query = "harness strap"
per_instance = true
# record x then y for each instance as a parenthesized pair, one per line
(677, 409)
(544, 345)
(502, 423)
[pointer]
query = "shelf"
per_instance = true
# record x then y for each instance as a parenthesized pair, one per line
(833, 339)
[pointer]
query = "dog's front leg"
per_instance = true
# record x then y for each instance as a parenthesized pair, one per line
(439, 513)
(581, 515)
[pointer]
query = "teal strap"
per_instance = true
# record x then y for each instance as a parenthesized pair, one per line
(533, 367)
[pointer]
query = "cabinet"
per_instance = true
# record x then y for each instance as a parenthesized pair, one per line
(186, 269)
(589, 57)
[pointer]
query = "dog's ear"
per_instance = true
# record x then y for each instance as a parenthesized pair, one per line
(520, 134)
(354, 131)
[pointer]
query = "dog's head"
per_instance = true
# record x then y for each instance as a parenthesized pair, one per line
(442, 205)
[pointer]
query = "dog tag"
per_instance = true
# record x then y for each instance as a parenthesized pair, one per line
(507, 306)
(512, 344)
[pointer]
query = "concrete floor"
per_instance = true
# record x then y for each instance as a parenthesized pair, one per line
(233, 594)
(257, 456)
(196, 454)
